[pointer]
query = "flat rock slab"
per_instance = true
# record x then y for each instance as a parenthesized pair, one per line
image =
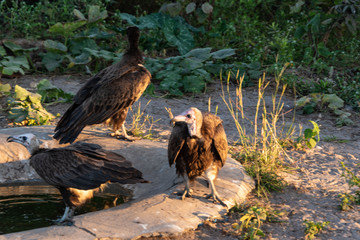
(155, 208)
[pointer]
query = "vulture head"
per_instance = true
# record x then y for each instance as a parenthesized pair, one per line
(29, 140)
(193, 119)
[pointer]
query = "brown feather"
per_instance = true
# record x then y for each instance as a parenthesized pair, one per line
(82, 166)
(194, 155)
(106, 96)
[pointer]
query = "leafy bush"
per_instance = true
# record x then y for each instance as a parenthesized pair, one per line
(16, 63)
(173, 31)
(78, 46)
(26, 109)
(189, 72)
(314, 228)
(50, 93)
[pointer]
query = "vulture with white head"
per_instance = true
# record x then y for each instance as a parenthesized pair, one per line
(197, 146)
(107, 96)
(77, 170)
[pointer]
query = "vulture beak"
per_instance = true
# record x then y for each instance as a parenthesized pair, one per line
(179, 118)
(17, 140)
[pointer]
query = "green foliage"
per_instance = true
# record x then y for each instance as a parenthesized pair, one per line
(354, 181)
(188, 73)
(31, 19)
(319, 101)
(314, 228)
(311, 136)
(252, 219)
(5, 89)
(261, 153)
(15, 63)
(173, 31)
(79, 45)
(347, 201)
(26, 109)
(50, 93)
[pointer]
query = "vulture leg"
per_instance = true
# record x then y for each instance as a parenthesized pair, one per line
(124, 134)
(67, 217)
(211, 174)
(187, 191)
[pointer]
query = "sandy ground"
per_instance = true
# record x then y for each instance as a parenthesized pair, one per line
(313, 188)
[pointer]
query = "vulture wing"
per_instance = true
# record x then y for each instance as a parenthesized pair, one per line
(83, 166)
(176, 142)
(214, 129)
(220, 143)
(101, 98)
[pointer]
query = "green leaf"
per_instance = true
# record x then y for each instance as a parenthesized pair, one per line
(5, 89)
(21, 93)
(67, 29)
(193, 84)
(299, 32)
(202, 54)
(323, 50)
(173, 9)
(223, 53)
(177, 33)
(190, 7)
(52, 60)
(308, 133)
(19, 61)
(191, 63)
(131, 20)
(2, 51)
(77, 46)
(311, 143)
(314, 23)
(297, 7)
(95, 15)
(55, 46)
(79, 15)
(16, 48)
(50, 93)
(334, 101)
(207, 8)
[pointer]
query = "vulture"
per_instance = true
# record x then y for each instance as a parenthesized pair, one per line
(77, 170)
(107, 96)
(197, 146)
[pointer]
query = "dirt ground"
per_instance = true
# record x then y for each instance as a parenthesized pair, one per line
(313, 188)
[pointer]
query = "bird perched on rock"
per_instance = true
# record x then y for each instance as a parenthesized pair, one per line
(197, 146)
(107, 96)
(77, 170)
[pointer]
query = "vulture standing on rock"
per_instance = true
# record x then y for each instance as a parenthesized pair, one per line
(107, 96)
(77, 170)
(198, 145)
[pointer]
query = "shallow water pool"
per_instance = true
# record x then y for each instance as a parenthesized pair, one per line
(26, 207)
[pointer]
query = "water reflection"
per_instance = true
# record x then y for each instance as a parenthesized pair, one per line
(27, 207)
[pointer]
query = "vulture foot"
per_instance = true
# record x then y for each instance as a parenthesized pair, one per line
(125, 136)
(186, 193)
(66, 222)
(216, 199)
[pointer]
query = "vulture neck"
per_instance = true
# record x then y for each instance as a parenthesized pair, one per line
(34, 149)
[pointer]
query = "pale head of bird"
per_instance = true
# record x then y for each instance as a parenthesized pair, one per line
(193, 119)
(28, 140)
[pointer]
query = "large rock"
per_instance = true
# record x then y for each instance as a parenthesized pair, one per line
(155, 207)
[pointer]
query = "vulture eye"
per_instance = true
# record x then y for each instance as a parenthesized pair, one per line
(24, 138)
(188, 116)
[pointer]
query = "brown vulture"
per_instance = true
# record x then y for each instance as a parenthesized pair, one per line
(107, 96)
(77, 170)
(198, 146)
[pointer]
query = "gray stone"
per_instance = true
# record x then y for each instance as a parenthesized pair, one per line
(155, 207)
